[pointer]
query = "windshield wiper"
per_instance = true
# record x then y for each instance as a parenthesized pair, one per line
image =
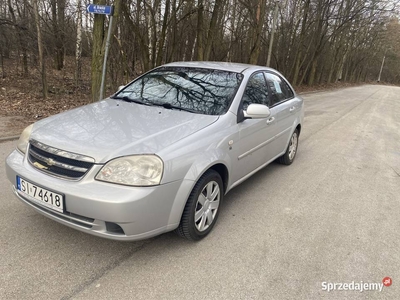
(127, 99)
(165, 105)
(170, 106)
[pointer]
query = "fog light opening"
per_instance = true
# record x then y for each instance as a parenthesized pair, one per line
(114, 228)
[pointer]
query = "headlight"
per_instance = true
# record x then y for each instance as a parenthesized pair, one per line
(137, 170)
(24, 139)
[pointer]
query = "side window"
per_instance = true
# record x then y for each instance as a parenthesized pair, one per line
(288, 91)
(256, 91)
(280, 90)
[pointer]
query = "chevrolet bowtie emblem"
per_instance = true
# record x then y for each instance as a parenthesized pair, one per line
(39, 166)
(50, 162)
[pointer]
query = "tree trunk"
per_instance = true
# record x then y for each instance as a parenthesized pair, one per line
(42, 64)
(152, 11)
(200, 31)
(3, 73)
(163, 33)
(174, 32)
(312, 71)
(257, 31)
(58, 21)
(61, 34)
(298, 53)
(212, 28)
(341, 66)
(78, 49)
(22, 44)
(97, 52)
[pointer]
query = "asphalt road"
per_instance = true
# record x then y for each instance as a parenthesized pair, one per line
(332, 216)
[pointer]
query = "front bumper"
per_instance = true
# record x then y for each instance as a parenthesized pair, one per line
(95, 207)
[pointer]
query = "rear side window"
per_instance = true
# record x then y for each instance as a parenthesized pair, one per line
(256, 91)
(280, 90)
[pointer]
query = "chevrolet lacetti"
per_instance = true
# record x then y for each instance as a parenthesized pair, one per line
(161, 153)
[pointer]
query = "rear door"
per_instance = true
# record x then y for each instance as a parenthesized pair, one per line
(283, 106)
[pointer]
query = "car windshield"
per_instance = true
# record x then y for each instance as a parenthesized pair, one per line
(198, 90)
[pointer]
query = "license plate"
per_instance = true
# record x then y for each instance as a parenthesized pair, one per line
(40, 195)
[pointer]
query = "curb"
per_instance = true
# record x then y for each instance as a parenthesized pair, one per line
(330, 89)
(9, 138)
(312, 92)
(315, 91)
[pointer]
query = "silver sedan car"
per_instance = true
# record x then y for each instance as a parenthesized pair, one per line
(161, 153)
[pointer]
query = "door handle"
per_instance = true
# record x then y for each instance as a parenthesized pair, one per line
(270, 120)
(292, 109)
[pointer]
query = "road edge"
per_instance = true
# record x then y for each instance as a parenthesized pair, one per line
(9, 138)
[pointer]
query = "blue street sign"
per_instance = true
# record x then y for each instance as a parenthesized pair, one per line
(100, 9)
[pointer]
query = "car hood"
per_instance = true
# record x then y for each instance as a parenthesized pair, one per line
(113, 128)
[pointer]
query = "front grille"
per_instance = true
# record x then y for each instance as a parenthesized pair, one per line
(58, 162)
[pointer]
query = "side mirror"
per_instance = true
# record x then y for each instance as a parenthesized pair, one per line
(257, 111)
(120, 87)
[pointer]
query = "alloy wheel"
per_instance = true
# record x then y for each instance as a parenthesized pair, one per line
(207, 206)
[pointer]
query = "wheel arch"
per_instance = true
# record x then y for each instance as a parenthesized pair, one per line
(190, 181)
(222, 170)
(298, 127)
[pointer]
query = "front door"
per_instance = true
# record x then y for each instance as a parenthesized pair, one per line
(256, 143)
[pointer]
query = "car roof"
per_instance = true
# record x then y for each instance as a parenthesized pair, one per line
(216, 65)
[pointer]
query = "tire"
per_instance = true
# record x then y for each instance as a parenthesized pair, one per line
(205, 201)
(290, 154)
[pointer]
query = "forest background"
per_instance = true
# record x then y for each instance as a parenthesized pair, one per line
(51, 51)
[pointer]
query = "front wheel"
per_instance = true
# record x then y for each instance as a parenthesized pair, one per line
(290, 154)
(202, 208)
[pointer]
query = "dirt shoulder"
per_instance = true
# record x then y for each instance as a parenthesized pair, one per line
(11, 127)
(21, 101)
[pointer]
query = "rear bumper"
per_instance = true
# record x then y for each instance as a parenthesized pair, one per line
(95, 207)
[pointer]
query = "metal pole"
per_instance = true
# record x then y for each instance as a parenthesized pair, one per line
(103, 75)
(380, 72)
(272, 33)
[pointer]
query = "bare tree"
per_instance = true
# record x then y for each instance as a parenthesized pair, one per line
(200, 30)
(256, 32)
(20, 33)
(42, 63)
(58, 24)
(78, 51)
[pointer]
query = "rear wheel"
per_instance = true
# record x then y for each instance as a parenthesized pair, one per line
(291, 150)
(202, 208)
